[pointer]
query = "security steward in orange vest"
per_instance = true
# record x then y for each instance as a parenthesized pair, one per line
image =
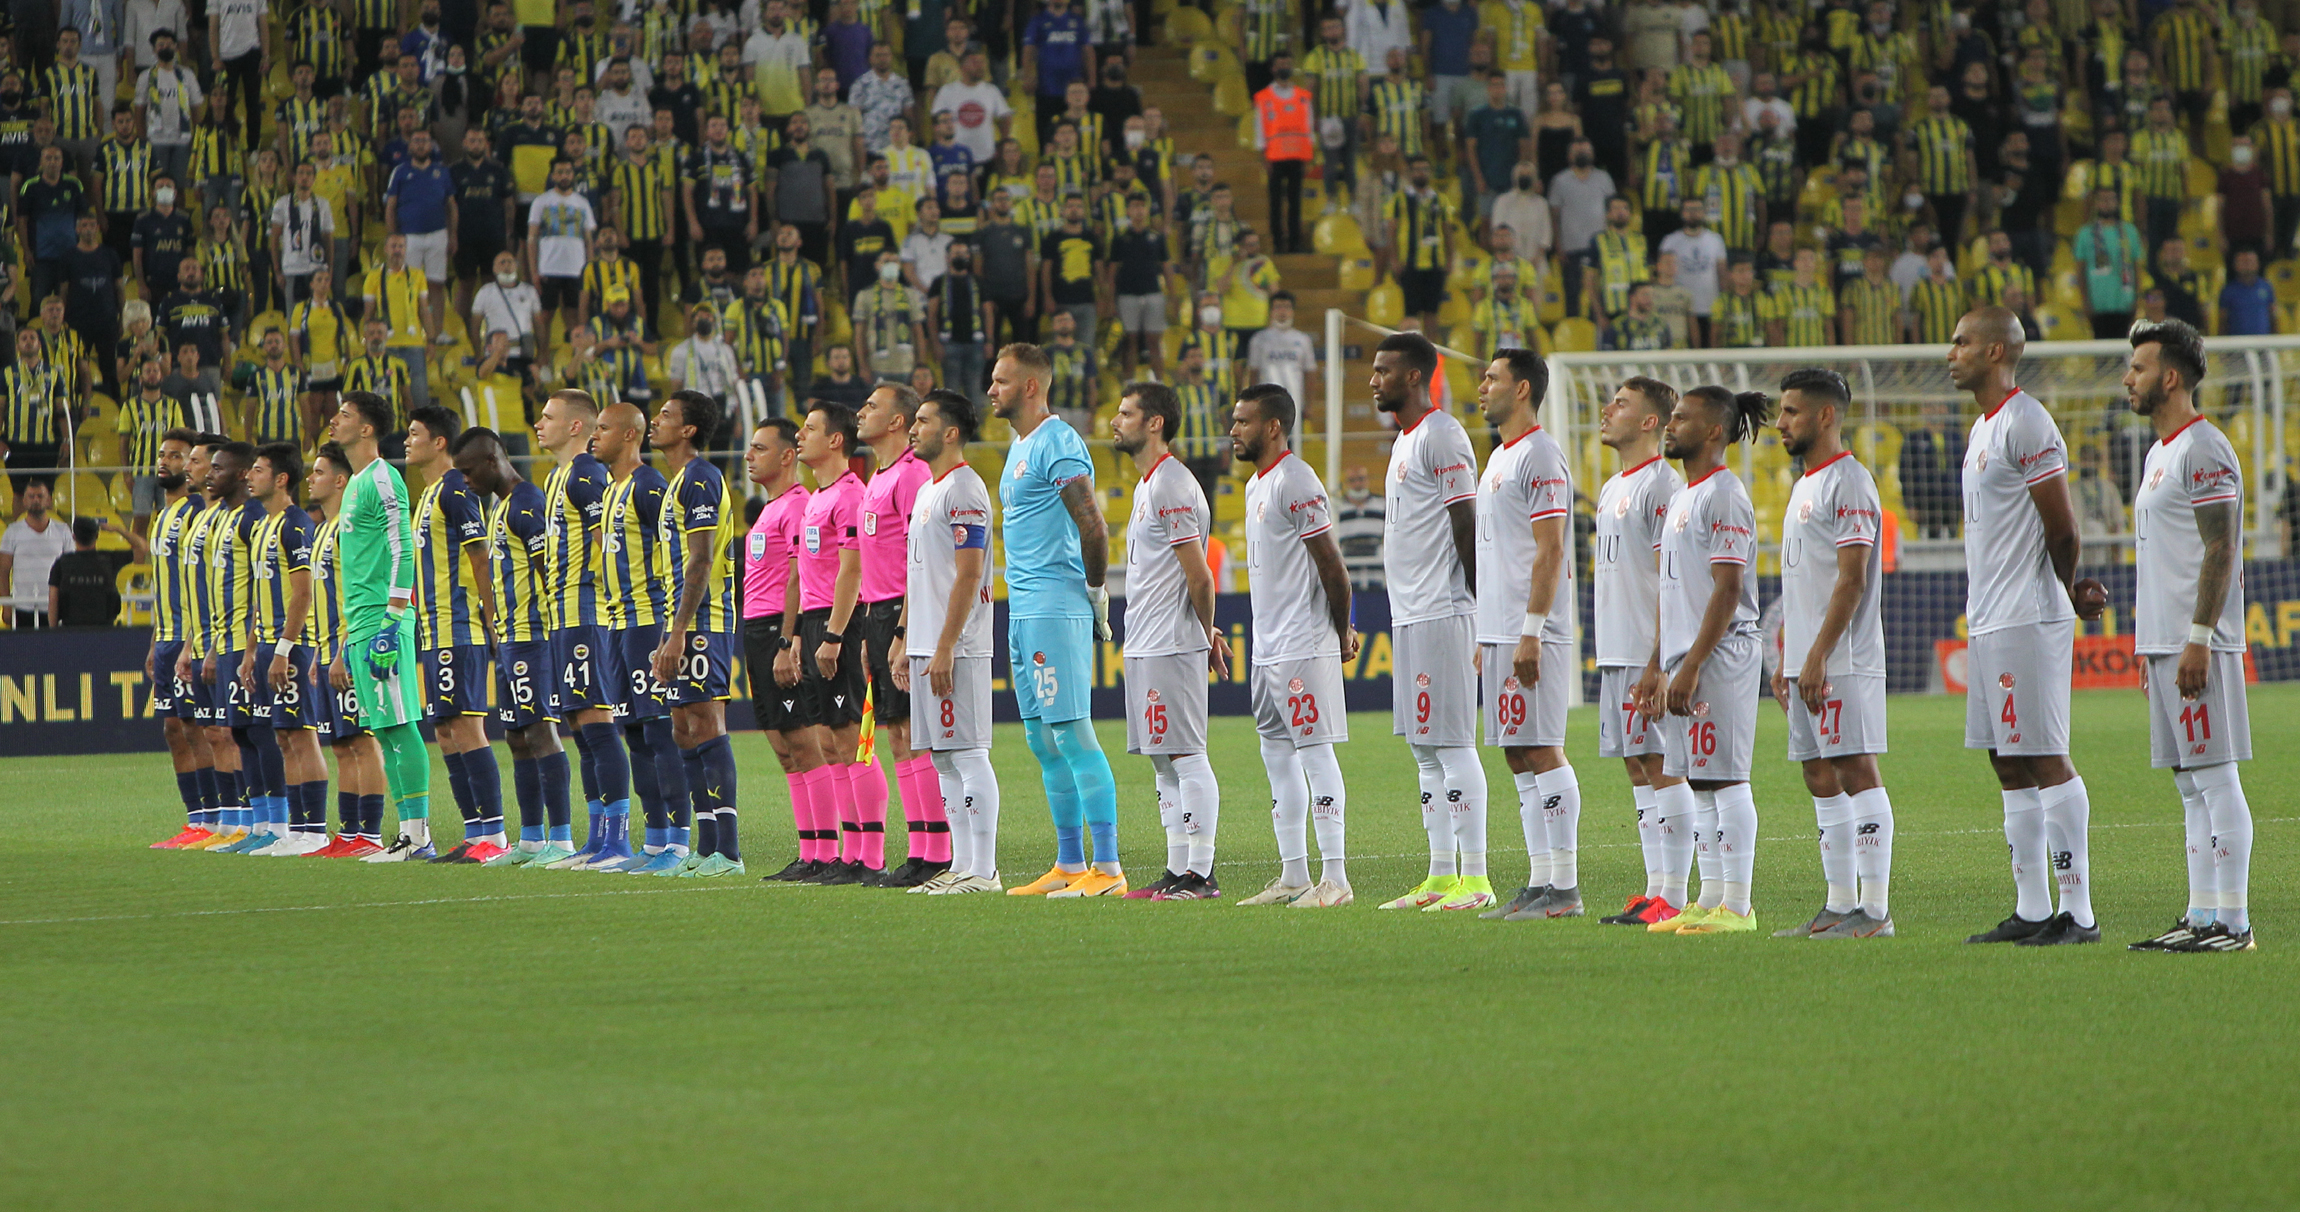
(1284, 123)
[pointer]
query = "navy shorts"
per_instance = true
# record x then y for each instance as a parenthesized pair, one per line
(293, 707)
(638, 694)
(706, 668)
(583, 665)
(524, 682)
(338, 709)
(455, 681)
(169, 696)
(229, 705)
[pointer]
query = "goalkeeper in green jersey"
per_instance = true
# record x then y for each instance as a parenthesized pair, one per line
(376, 544)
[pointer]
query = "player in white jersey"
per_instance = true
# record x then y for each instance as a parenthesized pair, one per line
(1525, 624)
(946, 630)
(1429, 564)
(1705, 671)
(2188, 519)
(1170, 640)
(2022, 601)
(1627, 570)
(1832, 676)
(1300, 592)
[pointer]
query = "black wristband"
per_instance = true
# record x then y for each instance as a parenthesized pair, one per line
(900, 631)
(832, 637)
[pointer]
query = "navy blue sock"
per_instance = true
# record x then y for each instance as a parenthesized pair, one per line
(459, 784)
(644, 782)
(559, 817)
(590, 765)
(228, 793)
(347, 813)
(188, 790)
(206, 778)
(671, 774)
(717, 757)
(527, 783)
(605, 752)
(486, 788)
(251, 785)
(371, 817)
(267, 742)
(315, 806)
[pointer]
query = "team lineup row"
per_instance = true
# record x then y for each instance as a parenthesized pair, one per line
(610, 600)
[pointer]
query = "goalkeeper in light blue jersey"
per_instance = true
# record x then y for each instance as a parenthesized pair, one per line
(1057, 549)
(375, 543)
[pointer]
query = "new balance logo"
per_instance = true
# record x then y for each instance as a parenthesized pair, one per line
(1453, 797)
(2062, 860)
(1550, 804)
(1866, 830)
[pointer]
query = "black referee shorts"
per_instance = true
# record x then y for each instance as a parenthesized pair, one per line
(774, 706)
(837, 701)
(1424, 290)
(888, 705)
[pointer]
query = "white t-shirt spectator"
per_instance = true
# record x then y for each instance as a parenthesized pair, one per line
(619, 112)
(510, 309)
(1526, 215)
(1372, 29)
(238, 26)
(306, 230)
(1281, 356)
(1578, 205)
(145, 17)
(35, 552)
(562, 225)
(779, 65)
(976, 108)
(707, 366)
(928, 255)
(167, 96)
(1700, 264)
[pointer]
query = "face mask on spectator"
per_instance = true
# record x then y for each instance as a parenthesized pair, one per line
(1211, 317)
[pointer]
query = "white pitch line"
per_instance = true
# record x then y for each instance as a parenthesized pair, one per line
(758, 885)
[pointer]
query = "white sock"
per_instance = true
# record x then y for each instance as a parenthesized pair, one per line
(1431, 777)
(1170, 813)
(2196, 823)
(1873, 850)
(952, 789)
(1529, 819)
(1674, 819)
(2024, 836)
(980, 783)
(2231, 843)
(1648, 838)
(417, 830)
(1561, 820)
(1465, 805)
(2069, 811)
(1835, 813)
(1737, 843)
(1329, 799)
(1289, 808)
(1201, 811)
(1705, 851)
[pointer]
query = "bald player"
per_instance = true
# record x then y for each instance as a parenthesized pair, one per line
(2022, 601)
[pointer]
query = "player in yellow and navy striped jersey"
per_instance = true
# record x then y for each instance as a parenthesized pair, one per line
(518, 540)
(276, 671)
(360, 783)
(700, 521)
(179, 461)
(452, 604)
(636, 587)
(272, 404)
(227, 562)
(574, 496)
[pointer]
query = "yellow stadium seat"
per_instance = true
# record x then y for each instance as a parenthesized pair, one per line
(2066, 291)
(1230, 98)
(2059, 324)
(1188, 25)
(1357, 273)
(1336, 234)
(1246, 129)
(2063, 256)
(1574, 336)
(1386, 304)
(2203, 179)
(1211, 60)
(1551, 307)
(2284, 279)
(1454, 312)
(134, 582)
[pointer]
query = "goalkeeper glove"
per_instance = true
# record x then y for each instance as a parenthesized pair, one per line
(1100, 597)
(383, 651)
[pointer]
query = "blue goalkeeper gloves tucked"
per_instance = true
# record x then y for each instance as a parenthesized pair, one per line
(383, 651)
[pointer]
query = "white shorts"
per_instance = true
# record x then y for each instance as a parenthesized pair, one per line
(2016, 689)
(1718, 741)
(1433, 683)
(2212, 728)
(1166, 704)
(1301, 700)
(1622, 730)
(1514, 718)
(428, 250)
(1142, 313)
(1852, 719)
(961, 721)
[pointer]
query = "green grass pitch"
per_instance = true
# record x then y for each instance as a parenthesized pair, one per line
(191, 1031)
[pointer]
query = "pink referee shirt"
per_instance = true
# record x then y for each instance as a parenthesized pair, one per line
(886, 503)
(767, 557)
(831, 523)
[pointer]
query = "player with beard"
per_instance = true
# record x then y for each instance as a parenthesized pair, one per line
(1705, 672)
(1300, 592)
(1832, 676)
(884, 426)
(1170, 640)
(181, 458)
(1429, 563)
(2022, 603)
(2188, 518)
